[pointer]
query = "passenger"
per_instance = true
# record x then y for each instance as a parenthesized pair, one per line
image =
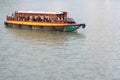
(56, 19)
(40, 18)
(30, 18)
(26, 18)
(18, 19)
(52, 19)
(35, 18)
(23, 19)
(44, 19)
(48, 19)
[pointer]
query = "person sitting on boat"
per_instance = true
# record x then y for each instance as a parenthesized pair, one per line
(30, 18)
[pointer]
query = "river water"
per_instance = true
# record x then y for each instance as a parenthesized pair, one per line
(87, 54)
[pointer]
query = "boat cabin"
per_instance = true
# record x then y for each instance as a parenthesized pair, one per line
(39, 16)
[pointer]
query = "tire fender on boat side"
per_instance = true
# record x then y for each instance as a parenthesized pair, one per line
(83, 25)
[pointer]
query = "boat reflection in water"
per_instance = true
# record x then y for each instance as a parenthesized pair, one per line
(44, 37)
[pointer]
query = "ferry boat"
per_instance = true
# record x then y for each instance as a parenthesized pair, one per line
(51, 21)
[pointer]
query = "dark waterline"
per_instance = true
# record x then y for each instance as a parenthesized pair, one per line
(89, 54)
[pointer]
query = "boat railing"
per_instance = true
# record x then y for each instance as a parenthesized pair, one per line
(35, 19)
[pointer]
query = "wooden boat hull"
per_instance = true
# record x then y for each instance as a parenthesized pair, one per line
(44, 25)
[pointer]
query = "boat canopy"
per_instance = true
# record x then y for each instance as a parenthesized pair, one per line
(35, 12)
